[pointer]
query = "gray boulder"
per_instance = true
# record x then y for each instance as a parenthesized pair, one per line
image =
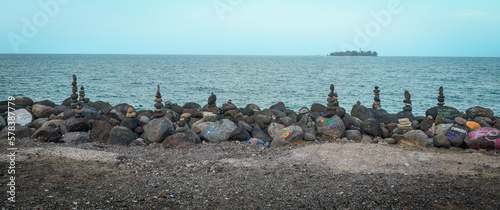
(259, 134)
(38, 123)
(331, 127)
(240, 134)
(371, 126)
(289, 135)
(220, 131)
(415, 138)
(75, 124)
(76, 137)
(361, 112)
(442, 128)
(441, 140)
(179, 140)
(3, 123)
(120, 135)
(100, 131)
(158, 129)
(46, 134)
(19, 132)
(353, 135)
(274, 129)
(130, 122)
(478, 111)
(41, 111)
(310, 133)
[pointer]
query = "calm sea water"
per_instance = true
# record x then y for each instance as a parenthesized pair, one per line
(264, 80)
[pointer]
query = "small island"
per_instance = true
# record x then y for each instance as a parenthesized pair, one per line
(355, 53)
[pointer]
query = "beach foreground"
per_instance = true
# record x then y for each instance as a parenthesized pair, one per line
(315, 175)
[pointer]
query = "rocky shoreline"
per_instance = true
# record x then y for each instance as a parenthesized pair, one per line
(78, 120)
(211, 156)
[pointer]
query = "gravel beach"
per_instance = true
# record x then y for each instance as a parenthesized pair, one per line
(316, 175)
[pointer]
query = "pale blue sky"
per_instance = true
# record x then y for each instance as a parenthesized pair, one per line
(251, 27)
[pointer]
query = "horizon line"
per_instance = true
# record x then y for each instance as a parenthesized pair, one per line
(324, 55)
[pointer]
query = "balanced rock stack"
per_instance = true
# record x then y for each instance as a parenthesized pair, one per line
(130, 112)
(440, 97)
(211, 106)
(406, 113)
(332, 100)
(404, 126)
(158, 106)
(376, 102)
(79, 104)
(82, 95)
(407, 101)
(332, 103)
(74, 96)
(405, 122)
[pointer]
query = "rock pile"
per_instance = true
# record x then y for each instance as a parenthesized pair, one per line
(177, 126)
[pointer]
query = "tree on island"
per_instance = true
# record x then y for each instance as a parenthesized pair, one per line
(355, 53)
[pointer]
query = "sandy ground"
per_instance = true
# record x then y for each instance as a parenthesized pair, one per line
(315, 175)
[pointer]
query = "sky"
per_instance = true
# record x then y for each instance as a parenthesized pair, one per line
(251, 27)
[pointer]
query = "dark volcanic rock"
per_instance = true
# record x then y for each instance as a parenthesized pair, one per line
(60, 109)
(441, 141)
(361, 112)
(318, 108)
(478, 111)
(121, 136)
(240, 134)
(46, 103)
(100, 131)
(371, 127)
(383, 116)
(77, 124)
(19, 132)
(38, 123)
(353, 135)
(130, 122)
(46, 134)
(259, 134)
(279, 106)
(191, 105)
(76, 137)
(101, 106)
(23, 101)
(456, 134)
(180, 140)
(449, 113)
(405, 114)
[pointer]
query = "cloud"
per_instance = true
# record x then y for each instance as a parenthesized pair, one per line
(470, 14)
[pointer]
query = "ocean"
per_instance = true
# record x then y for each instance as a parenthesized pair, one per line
(297, 81)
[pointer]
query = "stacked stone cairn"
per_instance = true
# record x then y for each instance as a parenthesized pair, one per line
(158, 106)
(211, 106)
(407, 101)
(376, 102)
(74, 96)
(440, 97)
(332, 103)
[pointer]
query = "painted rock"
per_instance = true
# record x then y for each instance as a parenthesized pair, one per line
(484, 138)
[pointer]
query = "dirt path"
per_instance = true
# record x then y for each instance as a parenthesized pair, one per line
(233, 175)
